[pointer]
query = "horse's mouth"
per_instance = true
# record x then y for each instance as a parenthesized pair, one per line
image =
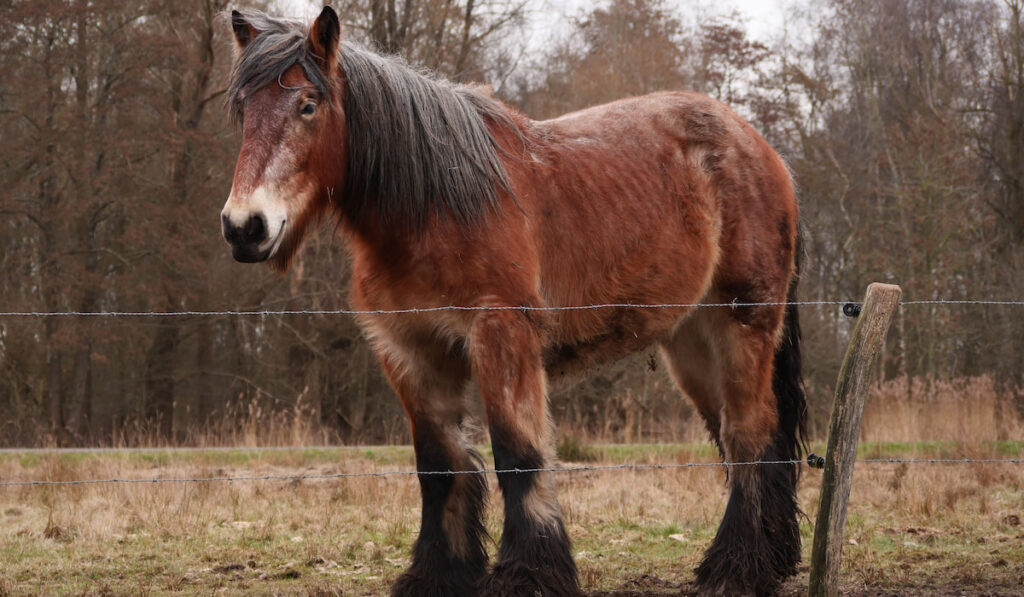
(277, 241)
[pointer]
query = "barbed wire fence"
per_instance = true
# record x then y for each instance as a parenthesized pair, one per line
(850, 308)
(357, 312)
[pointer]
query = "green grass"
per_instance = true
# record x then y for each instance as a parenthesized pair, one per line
(404, 454)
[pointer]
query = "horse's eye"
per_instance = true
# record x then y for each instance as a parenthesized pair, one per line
(308, 109)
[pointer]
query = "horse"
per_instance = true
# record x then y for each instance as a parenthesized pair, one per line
(445, 197)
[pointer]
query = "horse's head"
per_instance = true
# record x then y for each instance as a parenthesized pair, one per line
(285, 88)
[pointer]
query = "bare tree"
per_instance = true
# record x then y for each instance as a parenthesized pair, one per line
(459, 38)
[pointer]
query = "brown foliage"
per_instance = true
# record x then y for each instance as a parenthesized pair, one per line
(903, 121)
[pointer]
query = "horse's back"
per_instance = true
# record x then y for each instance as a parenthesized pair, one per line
(666, 198)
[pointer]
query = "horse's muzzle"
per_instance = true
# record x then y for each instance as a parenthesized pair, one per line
(246, 240)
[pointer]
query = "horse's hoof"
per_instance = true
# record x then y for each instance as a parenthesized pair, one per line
(726, 593)
(735, 587)
(726, 590)
(412, 584)
(512, 579)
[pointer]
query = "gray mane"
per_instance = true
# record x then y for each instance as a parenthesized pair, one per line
(418, 145)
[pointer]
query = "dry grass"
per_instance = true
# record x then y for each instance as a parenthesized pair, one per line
(919, 526)
(914, 530)
(964, 410)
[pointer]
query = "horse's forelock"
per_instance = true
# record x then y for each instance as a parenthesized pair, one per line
(278, 45)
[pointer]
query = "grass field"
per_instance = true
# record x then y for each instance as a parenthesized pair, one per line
(913, 529)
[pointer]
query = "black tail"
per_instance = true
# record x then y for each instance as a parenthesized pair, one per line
(780, 510)
(787, 381)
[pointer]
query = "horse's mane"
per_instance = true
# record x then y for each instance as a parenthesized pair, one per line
(419, 145)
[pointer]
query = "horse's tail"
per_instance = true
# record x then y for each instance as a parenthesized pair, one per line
(787, 380)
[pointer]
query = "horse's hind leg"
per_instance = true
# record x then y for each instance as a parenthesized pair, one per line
(758, 542)
(689, 354)
(449, 557)
(534, 556)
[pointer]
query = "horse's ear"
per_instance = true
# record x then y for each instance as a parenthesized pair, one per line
(324, 36)
(244, 32)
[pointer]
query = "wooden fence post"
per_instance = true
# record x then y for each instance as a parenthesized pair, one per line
(855, 377)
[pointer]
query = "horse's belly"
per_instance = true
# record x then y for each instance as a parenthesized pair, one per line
(676, 268)
(622, 331)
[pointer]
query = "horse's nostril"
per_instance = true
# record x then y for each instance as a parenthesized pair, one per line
(231, 232)
(252, 233)
(256, 229)
(245, 240)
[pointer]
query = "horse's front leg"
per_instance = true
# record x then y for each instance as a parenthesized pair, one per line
(534, 556)
(449, 558)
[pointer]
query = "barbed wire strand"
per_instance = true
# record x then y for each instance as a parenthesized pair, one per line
(563, 469)
(733, 305)
(237, 313)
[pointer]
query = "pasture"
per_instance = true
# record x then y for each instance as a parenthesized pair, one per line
(631, 185)
(913, 529)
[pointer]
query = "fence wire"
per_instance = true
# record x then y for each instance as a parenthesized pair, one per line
(238, 313)
(564, 469)
(516, 471)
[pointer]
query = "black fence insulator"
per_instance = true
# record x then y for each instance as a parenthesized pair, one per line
(815, 461)
(851, 310)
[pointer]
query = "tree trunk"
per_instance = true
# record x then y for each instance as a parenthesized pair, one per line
(160, 384)
(80, 414)
(203, 380)
(54, 387)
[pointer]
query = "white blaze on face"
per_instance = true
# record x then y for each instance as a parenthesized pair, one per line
(280, 189)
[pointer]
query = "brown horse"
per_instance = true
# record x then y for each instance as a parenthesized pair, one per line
(445, 196)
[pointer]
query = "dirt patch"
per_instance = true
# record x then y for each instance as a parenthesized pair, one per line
(648, 585)
(651, 586)
(633, 594)
(799, 589)
(949, 591)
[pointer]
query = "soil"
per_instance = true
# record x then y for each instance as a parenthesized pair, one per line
(652, 586)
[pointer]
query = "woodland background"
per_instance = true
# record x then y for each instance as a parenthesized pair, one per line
(902, 120)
